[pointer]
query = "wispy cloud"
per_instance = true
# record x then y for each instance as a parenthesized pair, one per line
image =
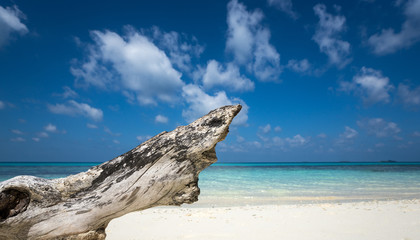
(107, 130)
(285, 6)
(90, 125)
(299, 66)
(181, 49)
(16, 131)
(161, 119)
(18, 139)
(67, 93)
(10, 23)
(379, 127)
(50, 128)
(388, 41)
(73, 108)
(410, 97)
(2, 105)
(327, 36)
(370, 84)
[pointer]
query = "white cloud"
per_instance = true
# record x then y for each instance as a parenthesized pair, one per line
(416, 134)
(370, 84)
(43, 135)
(131, 64)
(200, 103)
(73, 108)
(297, 141)
(143, 138)
(248, 41)
(67, 93)
(379, 127)
(322, 135)
(284, 5)
(35, 139)
(277, 129)
(16, 131)
(408, 96)
(327, 36)
(18, 139)
(2, 105)
(266, 64)
(116, 141)
(388, 41)
(107, 130)
(161, 119)
(180, 48)
(229, 76)
(50, 128)
(265, 129)
(90, 125)
(241, 32)
(302, 66)
(349, 133)
(10, 22)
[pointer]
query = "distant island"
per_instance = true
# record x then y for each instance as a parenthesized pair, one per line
(388, 161)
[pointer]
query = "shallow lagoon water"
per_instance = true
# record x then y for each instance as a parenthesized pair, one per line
(225, 184)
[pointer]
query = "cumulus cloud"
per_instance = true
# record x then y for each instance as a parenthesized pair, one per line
(410, 97)
(388, 41)
(370, 84)
(73, 108)
(302, 66)
(10, 23)
(132, 64)
(200, 103)
(265, 129)
(229, 76)
(285, 6)
(248, 41)
(327, 36)
(277, 129)
(287, 143)
(379, 127)
(297, 141)
(161, 119)
(180, 48)
(50, 128)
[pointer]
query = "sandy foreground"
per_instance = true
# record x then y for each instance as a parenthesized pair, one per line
(396, 220)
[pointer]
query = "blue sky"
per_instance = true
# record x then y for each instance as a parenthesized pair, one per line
(319, 80)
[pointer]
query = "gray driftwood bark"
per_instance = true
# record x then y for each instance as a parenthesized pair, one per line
(161, 171)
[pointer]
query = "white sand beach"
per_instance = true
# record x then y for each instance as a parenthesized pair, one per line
(375, 220)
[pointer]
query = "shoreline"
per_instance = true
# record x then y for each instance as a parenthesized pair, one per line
(393, 219)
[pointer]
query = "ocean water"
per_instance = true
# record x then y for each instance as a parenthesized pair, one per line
(226, 184)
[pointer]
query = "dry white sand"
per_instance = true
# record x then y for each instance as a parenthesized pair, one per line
(393, 220)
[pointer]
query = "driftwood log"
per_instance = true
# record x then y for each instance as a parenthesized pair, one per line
(161, 171)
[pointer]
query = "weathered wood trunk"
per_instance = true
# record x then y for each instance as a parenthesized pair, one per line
(161, 171)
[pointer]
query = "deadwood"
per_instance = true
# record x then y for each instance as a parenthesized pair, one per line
(161, 171)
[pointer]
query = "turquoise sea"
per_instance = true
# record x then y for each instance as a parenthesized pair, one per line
(224, 184)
